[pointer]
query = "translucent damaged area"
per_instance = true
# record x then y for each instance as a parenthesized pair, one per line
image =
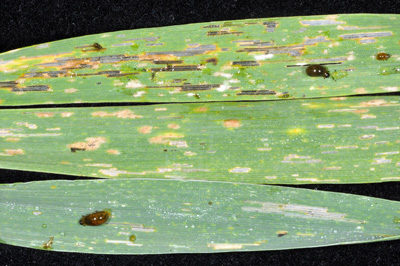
(263, 59)
(143, 217)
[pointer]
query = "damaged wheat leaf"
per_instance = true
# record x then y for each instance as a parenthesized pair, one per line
(170, 216)
(336, 140)
(255, 59)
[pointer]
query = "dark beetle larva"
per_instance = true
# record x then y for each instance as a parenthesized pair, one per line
(382, 56)
(317, 71)
(95, 219)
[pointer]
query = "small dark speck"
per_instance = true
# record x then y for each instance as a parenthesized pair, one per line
(76, 149)
(98, 83)
(280, 235)
(209, 203)
(165, 150)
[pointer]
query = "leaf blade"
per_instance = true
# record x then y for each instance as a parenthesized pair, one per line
(168, 216)
(217, 61)
(337, 140)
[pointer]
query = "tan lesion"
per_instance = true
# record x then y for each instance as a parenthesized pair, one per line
(165, 138)
(91, 144)
(12, 152)
(120, 114)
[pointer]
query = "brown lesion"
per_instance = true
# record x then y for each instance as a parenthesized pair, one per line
(48, 244)
(257, 92)
(95, 47)
(224, 32)
(212, 60)
(173, 68)
(91, 144)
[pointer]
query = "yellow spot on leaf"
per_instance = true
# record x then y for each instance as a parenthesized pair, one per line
(120, 114)
(296, 131)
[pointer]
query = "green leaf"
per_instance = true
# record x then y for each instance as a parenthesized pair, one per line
(337, 140)
(256, 59)
(169, 216)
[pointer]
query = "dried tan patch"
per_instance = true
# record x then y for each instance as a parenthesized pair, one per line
(360, 111)
(133, 84)
(338, 98)
(114, 152)
(201, 109)
(70, 90)
(232, 123)
(374, 103)
(360, 90)
(12, 139)
(145, 129)
(120, 114)
(66, 114)
(10, 152)
(91, 144)
(165, 138)
(44, 114)
(174, 126)
(77, 63)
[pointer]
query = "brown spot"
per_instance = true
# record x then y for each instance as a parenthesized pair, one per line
(145, 129)
(95, 219)
(174, 126)
(44, 114)
(165, 138)
(113, 152)
(210, 203)
(12, 139)
(132, 238)
(48, 244)
(90, 144)
(73, 64)
(213, 61)
(281, 233)
(375, 103)
(120, 114)
(201, 109)
(232, 123)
